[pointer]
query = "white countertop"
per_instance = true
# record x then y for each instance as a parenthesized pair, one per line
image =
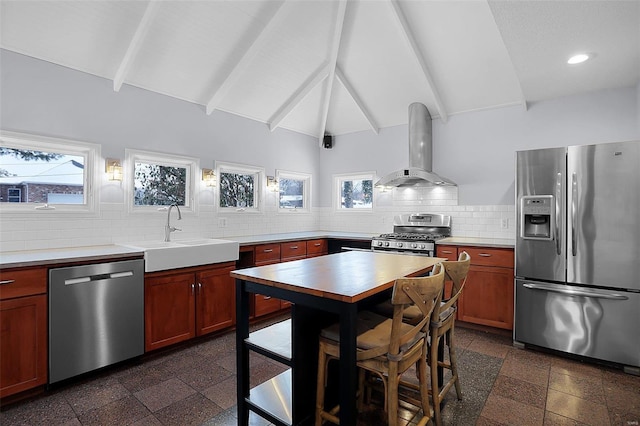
(290, 236)
(43, 257)
(15, 259)
(477, 241)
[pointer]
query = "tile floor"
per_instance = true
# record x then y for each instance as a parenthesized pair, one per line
(195, 385)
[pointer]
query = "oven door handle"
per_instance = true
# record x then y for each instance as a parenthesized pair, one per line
(354, 249)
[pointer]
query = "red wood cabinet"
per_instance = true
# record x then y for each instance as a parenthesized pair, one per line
(267, 254)
(23, 324)
(487, 298)
(215, 301)
(182, 304)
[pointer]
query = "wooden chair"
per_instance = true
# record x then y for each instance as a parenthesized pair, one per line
(443, 326)
(387, 347)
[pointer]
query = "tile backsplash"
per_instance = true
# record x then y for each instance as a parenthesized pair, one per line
(114, 224)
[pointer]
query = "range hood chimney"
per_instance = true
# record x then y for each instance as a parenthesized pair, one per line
(420, 154)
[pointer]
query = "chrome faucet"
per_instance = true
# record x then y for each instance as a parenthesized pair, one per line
(168, 229)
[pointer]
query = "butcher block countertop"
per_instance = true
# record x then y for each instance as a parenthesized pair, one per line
(348, 276)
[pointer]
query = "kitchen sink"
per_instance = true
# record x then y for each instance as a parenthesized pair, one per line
(161, 255)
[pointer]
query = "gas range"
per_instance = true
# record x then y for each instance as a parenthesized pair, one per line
(414, 233)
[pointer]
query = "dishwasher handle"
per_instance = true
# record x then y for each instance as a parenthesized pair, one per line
(98, 277)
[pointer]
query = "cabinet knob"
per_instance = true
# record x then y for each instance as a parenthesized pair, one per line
(268, 250)
(294, 247)
(7, 282)
(484, 255)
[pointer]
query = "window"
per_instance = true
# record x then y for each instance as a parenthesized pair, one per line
(294, 191)
(240, 188)
(354, 192)
(155, 179)
(42, 173)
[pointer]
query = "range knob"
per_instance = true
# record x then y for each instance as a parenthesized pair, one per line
(379, 243)
(414, 245)
(422, 246)
(386, 243)
(400, 244)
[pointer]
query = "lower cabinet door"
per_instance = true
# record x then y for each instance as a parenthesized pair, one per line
(23, 344)
(487, 297)
(215, 304)
(169, 310)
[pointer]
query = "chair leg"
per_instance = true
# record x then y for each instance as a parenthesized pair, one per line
(322, 366)
(433, 364)
(392, 394)
(424, 388)
(453, 360)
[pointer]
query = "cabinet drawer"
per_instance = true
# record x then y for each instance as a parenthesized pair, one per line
(267, 252)
(317, 247)
(22, 282)
(490, 256)
(265, 305)
(448, 252)
(297, 249)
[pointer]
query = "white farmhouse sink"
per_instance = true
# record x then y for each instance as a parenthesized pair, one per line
(160, 255)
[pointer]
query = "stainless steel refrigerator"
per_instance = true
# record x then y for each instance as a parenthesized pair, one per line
(577, 287)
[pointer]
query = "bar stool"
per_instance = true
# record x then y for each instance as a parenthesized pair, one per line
(387, 347)
(455, 271)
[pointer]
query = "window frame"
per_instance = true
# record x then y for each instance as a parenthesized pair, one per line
(337, 191)
(259, 187)
(190, 163)
(306, 191)
(91, 186)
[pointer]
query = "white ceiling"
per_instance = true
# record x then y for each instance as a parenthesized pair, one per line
(336, 67)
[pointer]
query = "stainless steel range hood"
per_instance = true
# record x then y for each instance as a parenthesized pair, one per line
(420, 154)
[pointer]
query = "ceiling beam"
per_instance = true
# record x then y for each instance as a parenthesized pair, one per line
(302, 92)
(333, 58)
(258, 45)
(135, 44)
(410, 39)
(347, 85)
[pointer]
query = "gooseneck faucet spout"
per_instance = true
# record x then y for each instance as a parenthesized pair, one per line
(168, 229)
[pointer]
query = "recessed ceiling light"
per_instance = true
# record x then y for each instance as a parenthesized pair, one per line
(578, 59)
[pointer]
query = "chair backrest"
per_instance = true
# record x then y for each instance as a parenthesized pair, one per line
(423, 292)
(456, 271)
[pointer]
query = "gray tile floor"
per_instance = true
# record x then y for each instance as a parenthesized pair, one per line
(195, 385)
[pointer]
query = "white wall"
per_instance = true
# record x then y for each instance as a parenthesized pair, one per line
(474, 149)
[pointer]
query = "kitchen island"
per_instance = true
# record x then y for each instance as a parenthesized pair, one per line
(323, 290)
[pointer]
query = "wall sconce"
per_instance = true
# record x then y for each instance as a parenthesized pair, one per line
(272, 184)
(208, 177)
(113, 169)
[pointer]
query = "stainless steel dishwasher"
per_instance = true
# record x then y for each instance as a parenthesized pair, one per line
(96, 316)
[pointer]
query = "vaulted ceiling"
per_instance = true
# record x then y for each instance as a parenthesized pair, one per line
(336, 67)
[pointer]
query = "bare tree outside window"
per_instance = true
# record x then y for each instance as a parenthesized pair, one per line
(157, 185)
(356, 193)
(237, 190)
(291, 193)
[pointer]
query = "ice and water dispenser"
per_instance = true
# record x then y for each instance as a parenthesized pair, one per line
(537, 217)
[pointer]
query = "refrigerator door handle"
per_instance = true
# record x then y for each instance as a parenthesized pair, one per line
(576, 292)
(574, 207)
(558, 211)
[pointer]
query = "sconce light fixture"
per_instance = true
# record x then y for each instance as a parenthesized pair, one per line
(272, 184)
(113, 169)
(208, 177)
